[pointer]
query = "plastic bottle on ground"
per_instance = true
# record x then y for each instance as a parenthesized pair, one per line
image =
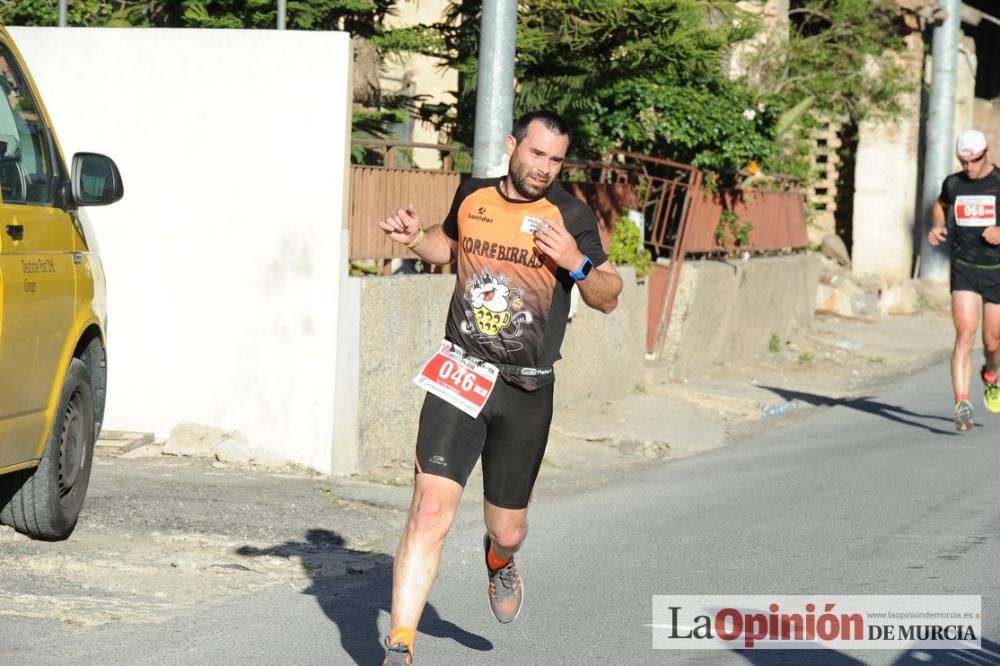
(777, 410)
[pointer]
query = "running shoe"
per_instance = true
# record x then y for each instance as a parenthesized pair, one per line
(963, 415)
(991, 393)
(397, 655)
(506, 589)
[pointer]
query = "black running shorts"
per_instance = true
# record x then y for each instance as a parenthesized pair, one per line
(510, 434)
(984, 280)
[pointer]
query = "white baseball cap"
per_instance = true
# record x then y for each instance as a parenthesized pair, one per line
(970, 142)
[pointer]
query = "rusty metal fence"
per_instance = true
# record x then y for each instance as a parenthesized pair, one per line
(777, 219)
(665, 201)
(683, 218)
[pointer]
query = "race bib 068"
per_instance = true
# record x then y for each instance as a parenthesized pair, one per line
(976, 210)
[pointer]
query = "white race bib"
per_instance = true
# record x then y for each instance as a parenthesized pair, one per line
(461, 381)
(530, 225)
(976, 210)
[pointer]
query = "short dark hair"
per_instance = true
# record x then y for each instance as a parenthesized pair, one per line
(552, 121)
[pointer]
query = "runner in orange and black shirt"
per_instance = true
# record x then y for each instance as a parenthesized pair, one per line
(967, 211)
(522, 243)
(512, 302)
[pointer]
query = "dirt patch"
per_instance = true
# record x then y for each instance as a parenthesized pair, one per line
(161, 536)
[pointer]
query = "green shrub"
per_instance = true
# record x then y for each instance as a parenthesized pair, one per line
(627, 247)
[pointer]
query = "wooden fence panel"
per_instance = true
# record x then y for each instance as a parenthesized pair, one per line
(377, 191)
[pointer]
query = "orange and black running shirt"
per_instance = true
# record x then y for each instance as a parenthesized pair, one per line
(511, 303)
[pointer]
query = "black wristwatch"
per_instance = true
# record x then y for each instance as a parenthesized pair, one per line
(583, 271)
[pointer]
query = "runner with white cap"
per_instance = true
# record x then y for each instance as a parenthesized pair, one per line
(967, 212)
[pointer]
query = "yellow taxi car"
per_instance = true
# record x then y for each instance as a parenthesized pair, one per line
(53, 315)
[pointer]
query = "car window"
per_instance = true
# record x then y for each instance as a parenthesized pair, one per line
(25, 163)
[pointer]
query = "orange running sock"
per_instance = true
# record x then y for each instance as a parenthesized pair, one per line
(961, 396)
(990, 378)
(403, 635)
(494, 562)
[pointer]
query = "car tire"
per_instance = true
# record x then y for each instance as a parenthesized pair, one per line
(95, 358)
(47, 500)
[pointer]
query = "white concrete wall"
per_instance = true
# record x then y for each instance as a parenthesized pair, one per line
(885, 185)
(225, 260)
(885, 195)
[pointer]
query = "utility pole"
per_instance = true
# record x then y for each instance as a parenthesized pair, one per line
(281, 14)
(62, 13)
(495, 87)
(940, 134)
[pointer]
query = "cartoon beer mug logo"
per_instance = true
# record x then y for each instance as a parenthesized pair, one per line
(490, 304)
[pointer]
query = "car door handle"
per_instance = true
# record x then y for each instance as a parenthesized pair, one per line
(15, 231)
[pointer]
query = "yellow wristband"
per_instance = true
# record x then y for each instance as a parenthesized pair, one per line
(416, 241)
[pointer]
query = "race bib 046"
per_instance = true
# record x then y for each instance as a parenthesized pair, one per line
(459, 380)
(976, 210)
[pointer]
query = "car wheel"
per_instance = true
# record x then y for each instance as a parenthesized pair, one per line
(48, 501)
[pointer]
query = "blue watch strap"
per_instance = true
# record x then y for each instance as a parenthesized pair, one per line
(584, 270)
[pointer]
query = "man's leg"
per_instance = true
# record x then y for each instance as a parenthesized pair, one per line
(512, 457)
(507, 529)
(965, 309)
(448, 446)
(991, 354)
(432, 512)
(418, 557)
(991, 336)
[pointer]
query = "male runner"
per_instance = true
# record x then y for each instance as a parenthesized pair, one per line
(521, 242)
(968, 205)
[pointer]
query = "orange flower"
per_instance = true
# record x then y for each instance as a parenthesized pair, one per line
(753, 167)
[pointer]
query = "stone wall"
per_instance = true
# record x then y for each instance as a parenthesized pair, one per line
(727, 310)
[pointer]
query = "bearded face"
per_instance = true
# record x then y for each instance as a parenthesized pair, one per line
(535, 161)
(529, 182)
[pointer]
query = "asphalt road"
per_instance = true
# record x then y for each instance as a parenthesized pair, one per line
(875, 496)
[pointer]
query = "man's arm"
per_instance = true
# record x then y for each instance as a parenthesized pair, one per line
(432, 244)
(938, 232)
(601, 288)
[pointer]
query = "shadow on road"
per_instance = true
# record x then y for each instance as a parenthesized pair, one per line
(988, 654)
(354, 598)
(868, 405)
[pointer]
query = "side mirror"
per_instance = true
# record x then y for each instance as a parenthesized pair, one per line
(96, 180)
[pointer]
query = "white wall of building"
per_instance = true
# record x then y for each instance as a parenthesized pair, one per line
(226, 258)
(885, 197)
(885, 216)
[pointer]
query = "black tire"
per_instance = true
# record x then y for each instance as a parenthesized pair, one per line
(47, 500)
(96, 360)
